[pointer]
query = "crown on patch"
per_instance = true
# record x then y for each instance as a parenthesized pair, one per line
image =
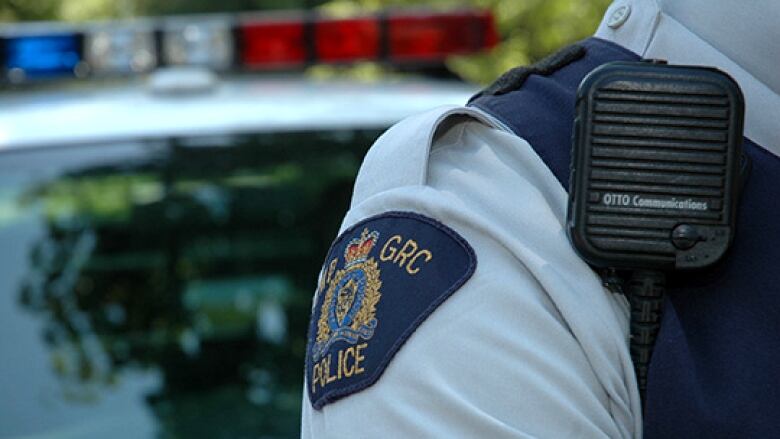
(358, 249)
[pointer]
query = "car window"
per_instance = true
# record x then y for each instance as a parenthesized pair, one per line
(162, 287)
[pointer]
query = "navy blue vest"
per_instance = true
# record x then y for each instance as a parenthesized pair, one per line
(715, 371)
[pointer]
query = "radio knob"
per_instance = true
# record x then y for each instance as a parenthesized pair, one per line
(685, 236)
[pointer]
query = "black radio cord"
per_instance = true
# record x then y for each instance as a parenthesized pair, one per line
(645, 293)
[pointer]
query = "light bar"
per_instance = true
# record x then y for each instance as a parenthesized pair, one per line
(251, 42)
(35, 56)
(120, 50)
(207, 43)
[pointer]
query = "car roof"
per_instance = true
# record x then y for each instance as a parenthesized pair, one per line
(102, 111)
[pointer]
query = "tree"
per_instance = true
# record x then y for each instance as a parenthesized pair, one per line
(25, 10)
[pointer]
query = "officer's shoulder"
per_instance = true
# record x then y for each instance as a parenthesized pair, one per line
(400, 156)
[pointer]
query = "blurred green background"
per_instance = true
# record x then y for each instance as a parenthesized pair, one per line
(530, 29)
(161, 287)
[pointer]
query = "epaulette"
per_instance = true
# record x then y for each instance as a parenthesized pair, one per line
(513, 79)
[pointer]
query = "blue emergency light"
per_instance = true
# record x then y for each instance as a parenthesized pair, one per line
(43, 55)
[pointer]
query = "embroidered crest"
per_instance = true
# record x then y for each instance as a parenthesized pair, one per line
(382, 278)
(348, 310)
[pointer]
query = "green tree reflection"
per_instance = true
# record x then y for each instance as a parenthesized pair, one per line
(198, 263)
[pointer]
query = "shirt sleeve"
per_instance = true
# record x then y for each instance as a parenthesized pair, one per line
(531, 345)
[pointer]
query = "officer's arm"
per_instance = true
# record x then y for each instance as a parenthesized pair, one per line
(529, 345)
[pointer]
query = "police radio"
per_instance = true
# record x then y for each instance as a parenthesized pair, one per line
(657, 166)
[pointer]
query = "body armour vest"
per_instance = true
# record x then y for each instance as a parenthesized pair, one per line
(715, 371)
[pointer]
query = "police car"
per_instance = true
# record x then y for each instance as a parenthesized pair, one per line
(164, 213)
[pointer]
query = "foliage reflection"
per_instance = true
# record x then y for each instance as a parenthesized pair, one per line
(194, 260)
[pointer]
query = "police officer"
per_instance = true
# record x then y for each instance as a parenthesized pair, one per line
(453, 305)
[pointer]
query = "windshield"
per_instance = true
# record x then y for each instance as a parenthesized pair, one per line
(161, 288)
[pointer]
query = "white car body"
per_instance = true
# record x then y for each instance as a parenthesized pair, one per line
(85, 113)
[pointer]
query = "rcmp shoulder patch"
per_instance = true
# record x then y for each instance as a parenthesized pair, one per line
(381, 279)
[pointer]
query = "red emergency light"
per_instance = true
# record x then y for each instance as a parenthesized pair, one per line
(433, 37)
(395, 38)
(347, 40)
(273, 44)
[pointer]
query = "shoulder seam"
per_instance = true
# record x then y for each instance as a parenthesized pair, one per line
(408, 141)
